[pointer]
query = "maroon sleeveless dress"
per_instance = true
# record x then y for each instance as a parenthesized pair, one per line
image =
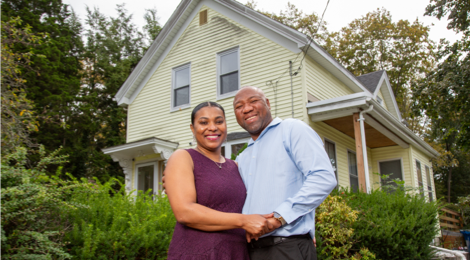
(222, 190)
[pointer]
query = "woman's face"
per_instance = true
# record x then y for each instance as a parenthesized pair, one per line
(210, 128)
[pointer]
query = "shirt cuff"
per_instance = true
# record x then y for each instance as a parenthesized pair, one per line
(288, 213)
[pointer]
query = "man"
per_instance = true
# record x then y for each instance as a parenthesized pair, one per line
(287, 172)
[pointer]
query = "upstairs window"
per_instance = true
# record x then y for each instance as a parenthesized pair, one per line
(228, 73)
(181, 86)
(420, 177)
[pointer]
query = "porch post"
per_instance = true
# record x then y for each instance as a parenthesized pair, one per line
(359, 153)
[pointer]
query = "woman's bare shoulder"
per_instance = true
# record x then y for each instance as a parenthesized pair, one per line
(180, 157)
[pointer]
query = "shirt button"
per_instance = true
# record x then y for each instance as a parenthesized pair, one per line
(254, 156)
(250, 173)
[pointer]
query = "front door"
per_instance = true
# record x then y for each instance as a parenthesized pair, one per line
(393, 170)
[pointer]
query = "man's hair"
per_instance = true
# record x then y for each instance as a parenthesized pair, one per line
(205, 104)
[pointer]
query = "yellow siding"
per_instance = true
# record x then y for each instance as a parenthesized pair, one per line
(321, 83)
(343, 143)
(424, 160)
(389, 153)
(261, 60)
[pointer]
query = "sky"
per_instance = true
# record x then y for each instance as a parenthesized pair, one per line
(338, 14)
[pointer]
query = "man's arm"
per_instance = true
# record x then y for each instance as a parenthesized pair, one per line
(307, 152)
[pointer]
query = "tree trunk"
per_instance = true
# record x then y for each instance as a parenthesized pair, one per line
(449, 179)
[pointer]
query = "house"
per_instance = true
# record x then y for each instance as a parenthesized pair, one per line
(208, 49)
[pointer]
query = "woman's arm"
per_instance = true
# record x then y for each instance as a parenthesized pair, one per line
(181, 191)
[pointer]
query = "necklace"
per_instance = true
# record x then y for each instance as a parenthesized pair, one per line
(201, 152)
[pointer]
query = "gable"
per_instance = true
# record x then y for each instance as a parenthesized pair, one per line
(263, 25)
(261, 59)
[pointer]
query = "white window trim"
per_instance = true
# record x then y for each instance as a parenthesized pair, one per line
(228, 145)
(388, 160)
(233, 93)
(336, 155)
(173, 80)
(155, 176)
(380, 101)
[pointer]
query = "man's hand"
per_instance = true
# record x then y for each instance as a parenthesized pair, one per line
(272, 225)
(314, 242)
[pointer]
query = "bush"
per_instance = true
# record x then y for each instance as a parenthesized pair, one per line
(32, 227)
(395, 225)
(333, 225)
(117, 225)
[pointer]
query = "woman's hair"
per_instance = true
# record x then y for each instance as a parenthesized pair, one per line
(205, 104)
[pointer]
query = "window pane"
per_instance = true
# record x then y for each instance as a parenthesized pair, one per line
(222, 151)
(236, 148)
(145, 179)
(182, 78)
(181, 96)
(229, 63)
(352, 164)
(353, 182)
(229, 83)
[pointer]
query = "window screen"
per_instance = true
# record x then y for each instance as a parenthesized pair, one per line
(181, 84)
(353, 178)
(228, 72)
(428, 178)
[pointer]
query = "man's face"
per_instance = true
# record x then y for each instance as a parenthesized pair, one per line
(252, 110)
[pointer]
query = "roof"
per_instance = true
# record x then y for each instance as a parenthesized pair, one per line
(272, 29)
(371, 80)
(237, 135)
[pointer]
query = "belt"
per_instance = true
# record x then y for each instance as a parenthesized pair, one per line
(273, 240)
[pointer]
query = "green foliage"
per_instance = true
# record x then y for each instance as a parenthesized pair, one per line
(334, 220)
(18, 119)
(375, 42)
(234, 156)
(32, 227)
(395, 225)
(464, 209)
(116, 225)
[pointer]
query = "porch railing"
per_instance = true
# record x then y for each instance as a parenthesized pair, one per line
(450, 220)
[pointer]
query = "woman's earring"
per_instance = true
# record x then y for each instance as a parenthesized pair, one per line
(194, 139)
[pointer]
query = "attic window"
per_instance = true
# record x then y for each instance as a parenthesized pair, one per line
(203, 17)
(380, 101)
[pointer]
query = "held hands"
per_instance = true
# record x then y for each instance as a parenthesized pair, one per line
(258, 225)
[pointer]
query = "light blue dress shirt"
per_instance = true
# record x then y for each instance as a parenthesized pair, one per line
(286, 170)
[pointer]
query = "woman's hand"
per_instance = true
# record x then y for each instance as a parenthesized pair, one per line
(256, 225)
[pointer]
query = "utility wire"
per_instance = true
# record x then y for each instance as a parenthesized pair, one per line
(274, 82)
(311, 38)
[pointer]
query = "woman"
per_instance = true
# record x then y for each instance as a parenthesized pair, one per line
(207, 193)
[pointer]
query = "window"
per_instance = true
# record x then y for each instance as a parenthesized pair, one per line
(353, 178)
(420, 177)
(203, 17)
(379, 100)
(228, 76)
(148, 177)
(428, 178)
(330, 149)
(233, 147)
(181, 87)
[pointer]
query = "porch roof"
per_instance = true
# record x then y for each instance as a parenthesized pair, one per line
(141, 148)
(332, 111)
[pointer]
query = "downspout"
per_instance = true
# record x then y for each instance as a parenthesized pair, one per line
(364, 147)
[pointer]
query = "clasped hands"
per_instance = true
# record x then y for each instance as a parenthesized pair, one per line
(257, 225)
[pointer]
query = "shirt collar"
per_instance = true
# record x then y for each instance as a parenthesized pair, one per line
(273, 123)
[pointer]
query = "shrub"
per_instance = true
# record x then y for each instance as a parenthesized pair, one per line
(32, 227)
(395, 225)
(117, 225)
(333, 225)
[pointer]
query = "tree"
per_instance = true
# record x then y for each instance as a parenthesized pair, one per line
(18, 119)
(374, 42)
(113, 49)
(296, 19)
(443, 95)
